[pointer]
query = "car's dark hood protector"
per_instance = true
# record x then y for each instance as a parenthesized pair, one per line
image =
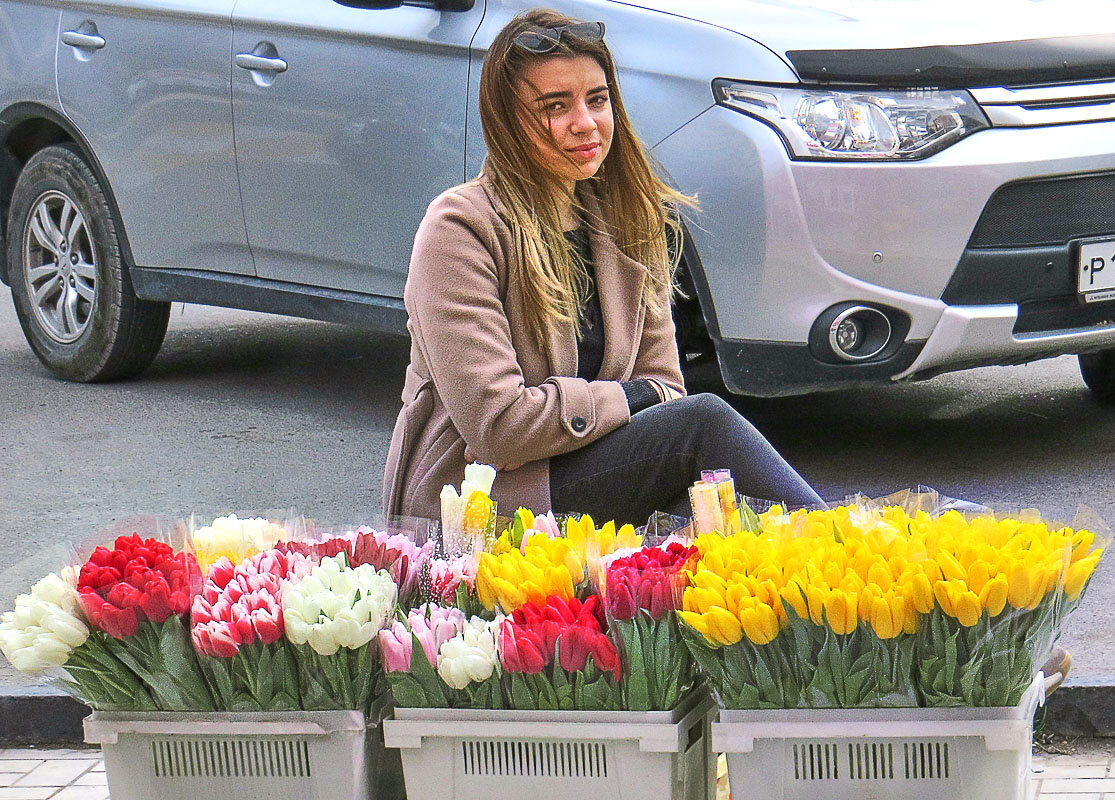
(1069, 58)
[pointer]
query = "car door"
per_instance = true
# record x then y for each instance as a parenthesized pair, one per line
(147, 84)
(349, 121)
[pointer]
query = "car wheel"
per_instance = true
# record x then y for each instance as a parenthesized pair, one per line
(1098, 371)
(71, 288)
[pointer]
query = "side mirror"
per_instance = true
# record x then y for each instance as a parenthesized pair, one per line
(454, 5)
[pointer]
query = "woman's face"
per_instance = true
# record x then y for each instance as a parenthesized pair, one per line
(570, 95)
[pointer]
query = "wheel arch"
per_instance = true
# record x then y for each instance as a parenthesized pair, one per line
(698, 330)
(25, 129)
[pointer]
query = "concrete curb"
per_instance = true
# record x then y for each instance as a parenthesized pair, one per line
(41, 716)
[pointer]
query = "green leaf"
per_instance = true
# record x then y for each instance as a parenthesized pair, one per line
(522, 699)
(408, 692)
(426, 675)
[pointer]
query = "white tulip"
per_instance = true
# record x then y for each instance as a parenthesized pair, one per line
(470, 655)
(44, 628)
(336, 606)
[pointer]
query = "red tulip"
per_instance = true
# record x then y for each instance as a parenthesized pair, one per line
(574, 646)
(521, 650)
(605, 656)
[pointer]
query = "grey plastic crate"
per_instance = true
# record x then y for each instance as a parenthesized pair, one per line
(881, 754)
(458, 754)
(309, 755)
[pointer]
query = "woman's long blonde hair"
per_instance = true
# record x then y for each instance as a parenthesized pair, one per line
(637, 209)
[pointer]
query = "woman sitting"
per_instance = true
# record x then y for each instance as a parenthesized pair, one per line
(539, 301)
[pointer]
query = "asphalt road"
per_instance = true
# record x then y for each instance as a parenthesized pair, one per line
(255, 413)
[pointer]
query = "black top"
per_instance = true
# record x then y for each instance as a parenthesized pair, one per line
(590, 345)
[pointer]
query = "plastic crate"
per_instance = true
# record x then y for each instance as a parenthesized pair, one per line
(879, 754)
(310, 755)
(459, 754)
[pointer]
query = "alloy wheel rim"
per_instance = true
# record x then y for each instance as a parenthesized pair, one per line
(60, 267)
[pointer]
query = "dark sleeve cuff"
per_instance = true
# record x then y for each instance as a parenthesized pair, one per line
(641, 394)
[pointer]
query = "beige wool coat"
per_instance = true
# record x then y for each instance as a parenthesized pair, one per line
(477, 379)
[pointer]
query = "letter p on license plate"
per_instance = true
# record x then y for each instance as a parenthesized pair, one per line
(1096, 271)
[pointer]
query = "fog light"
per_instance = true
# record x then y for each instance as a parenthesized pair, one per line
(848, 334)
(859, 332)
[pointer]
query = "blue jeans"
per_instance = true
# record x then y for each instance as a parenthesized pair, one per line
(649, 464)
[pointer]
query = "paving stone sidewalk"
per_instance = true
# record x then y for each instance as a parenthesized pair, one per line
(1086, 772)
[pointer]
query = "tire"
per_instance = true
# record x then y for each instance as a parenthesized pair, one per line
(69, 282)
(1098, 371)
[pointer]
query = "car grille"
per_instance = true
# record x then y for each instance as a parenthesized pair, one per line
(1060, 104)
(1023, 251)
(1047, 211)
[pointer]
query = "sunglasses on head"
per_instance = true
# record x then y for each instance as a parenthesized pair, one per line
(545, 40)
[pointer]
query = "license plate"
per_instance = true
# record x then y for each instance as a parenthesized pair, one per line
(1096, 275)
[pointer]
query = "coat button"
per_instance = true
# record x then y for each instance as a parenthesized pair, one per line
(578, 423)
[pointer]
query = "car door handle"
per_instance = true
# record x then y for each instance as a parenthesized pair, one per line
(260, 63)
(86, 41)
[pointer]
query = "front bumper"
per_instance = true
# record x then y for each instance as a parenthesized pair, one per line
(977, 336)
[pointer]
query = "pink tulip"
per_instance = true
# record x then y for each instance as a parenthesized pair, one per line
(240, 605)
(395, 644)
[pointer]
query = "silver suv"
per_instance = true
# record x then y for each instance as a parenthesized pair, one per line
(890, 190)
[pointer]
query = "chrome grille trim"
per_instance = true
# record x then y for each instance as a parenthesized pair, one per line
(1060, 104)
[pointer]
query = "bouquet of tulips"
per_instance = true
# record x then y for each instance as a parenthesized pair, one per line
(289, 624)
(138, 593)
(643, 590)
(869, 605)
(435, 657)
(238, 632)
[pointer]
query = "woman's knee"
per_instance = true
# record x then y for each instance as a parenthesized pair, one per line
(712, 411)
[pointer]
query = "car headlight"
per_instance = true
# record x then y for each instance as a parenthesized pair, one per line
(822, 123)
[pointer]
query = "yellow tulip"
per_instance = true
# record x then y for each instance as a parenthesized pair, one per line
(1024, 582)
(993, 596)
(1081, 543)
(867, 600)
(724, 626)
(882, 619)
(978, 576)
(759, 623)
(792, 594)
(968, 608)
(945, 598)
(706, 579)
(950, 567)
(921, 593)
(699, 623)
(1076, 578)
(841, 612)
(879, 575)
(816, 600)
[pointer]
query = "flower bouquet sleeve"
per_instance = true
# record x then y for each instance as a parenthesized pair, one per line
(45, 633)
(333, 616)
(138, 593)
(238, 627)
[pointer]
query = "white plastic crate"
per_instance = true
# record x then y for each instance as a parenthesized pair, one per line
(461, 754)
(880, 754)
(309, 755)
